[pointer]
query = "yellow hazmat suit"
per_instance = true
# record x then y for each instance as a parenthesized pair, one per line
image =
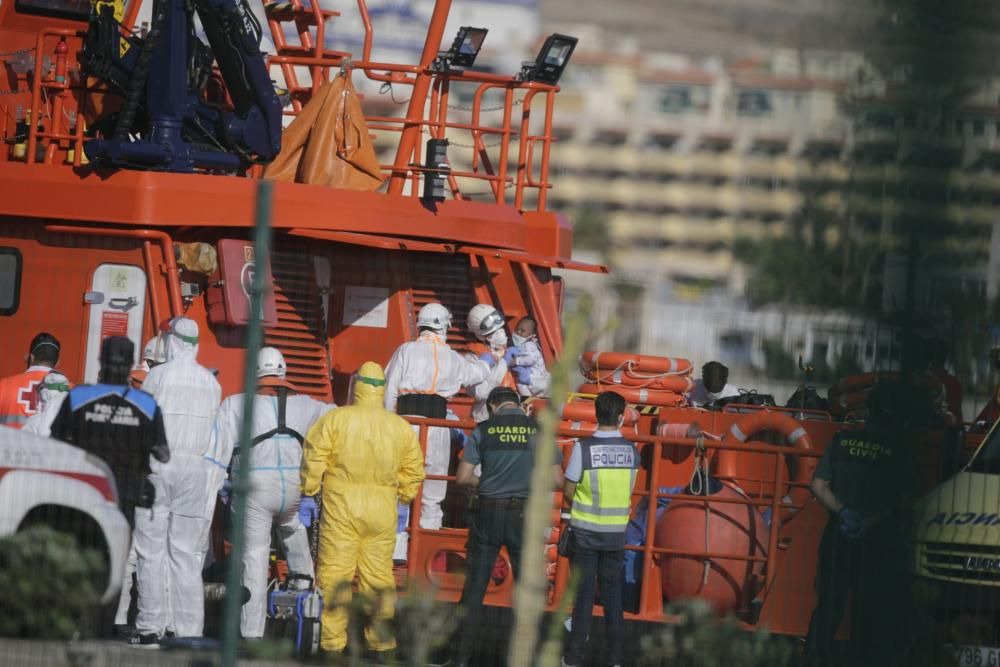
(365, 457)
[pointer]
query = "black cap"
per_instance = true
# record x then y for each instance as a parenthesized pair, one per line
(117, 351)
(502, 395)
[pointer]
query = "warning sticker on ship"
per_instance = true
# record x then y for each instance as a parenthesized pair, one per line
(113, 324)
(366, 307)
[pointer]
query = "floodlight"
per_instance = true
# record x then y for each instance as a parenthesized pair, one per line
(463, 50)
(551, 60)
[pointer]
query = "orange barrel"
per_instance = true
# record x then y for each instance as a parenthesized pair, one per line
(732, 529)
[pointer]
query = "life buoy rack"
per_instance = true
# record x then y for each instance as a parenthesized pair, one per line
(636, 395)
(638, 363)
(794, 434)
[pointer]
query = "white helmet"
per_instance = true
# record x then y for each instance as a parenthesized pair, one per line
(270, 362)
(484, 319)
(434, 316)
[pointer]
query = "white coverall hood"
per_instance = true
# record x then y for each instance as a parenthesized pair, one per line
(181, 339)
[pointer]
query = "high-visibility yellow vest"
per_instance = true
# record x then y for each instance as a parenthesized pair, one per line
(603, 499)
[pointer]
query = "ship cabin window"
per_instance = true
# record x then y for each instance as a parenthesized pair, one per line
(67, 9)
(10, 280)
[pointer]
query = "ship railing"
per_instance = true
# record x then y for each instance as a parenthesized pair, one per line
(508, 159)
(486, 150)
(427, 545)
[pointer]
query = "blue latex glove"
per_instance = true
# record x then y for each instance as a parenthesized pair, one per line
(308, 511)
(226, 492)
(522, 374)
(508, 356)
(852, 524)
(488, 358)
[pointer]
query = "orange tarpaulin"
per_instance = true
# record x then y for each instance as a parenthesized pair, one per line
(328, 143)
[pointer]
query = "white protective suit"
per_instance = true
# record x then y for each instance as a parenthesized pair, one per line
(52, 392)
(700, 396)
(171, 538)
(496, 344)
(274, 491)
(428, 366)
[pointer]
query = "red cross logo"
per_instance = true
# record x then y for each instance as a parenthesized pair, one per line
(28, 398)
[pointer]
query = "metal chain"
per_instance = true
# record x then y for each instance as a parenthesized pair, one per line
(499, 108)
(387, 88)
(513, 136)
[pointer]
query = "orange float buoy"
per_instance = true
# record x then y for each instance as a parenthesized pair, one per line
(637, 362)
(728, 585)
(583, 411)
(635, 395)
(680, 384)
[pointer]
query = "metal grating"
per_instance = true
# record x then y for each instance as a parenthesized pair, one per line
(301, 330)
(444, 278)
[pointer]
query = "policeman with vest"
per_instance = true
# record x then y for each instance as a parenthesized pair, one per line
(281, 418)
(599, 479)
(18, 395)
(504, 445)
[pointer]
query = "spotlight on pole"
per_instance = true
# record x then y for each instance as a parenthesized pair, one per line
(463, 51)
(548, 66)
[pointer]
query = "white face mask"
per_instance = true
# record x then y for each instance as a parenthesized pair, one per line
(519, 340)
(497, 340)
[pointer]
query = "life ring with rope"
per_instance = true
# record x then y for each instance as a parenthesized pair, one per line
(638, 363)
(679, 384)
(726, 463)
(636, 395)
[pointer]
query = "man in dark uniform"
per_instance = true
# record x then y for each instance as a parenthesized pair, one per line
(121, 425)
(504, 445)
(862, 479)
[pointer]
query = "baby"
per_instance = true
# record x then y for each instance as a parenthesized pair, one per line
(525, 361)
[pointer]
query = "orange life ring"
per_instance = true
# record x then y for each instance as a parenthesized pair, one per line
(795, 435)
(638, 362)
(583, 411)
(635, 395)
(844, 403)
(679, 384)
(854, 383)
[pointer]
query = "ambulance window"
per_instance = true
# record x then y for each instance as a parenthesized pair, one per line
(10, 280)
